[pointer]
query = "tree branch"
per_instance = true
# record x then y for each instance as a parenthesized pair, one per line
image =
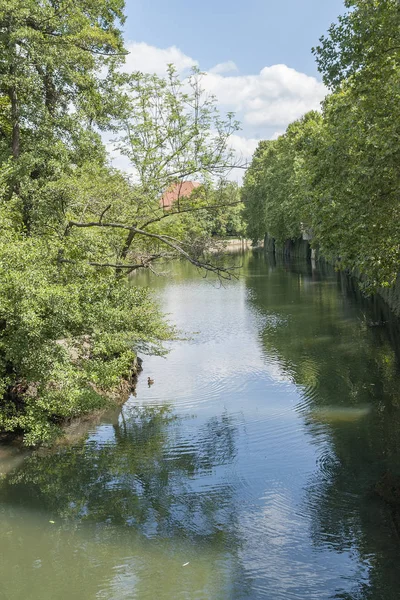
(63, 39)
(191, 209)
(144, 264)
(104, 212)
(222, 273)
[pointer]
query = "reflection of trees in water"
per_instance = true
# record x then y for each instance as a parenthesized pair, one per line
(324, 342)
(339, 354)
(144, 477)
(348, 515)
(342, 498)
(146, 480)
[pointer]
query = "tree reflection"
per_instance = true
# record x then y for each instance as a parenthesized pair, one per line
(143, 477)
(340, 352)
(148, 479)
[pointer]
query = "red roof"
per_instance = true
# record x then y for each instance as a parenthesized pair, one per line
(182, 189)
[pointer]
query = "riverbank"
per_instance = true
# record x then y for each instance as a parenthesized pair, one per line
(238, 472)
(301, 249)
(67, 430)
(75, 429)
(228, 245)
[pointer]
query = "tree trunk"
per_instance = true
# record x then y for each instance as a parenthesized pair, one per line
(50, 93)
(125, 250)
(127, 245)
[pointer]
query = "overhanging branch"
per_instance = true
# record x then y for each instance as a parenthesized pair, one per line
(221, 272)
(191, 209)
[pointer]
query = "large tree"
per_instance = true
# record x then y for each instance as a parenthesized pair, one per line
(72, 226)
(357, 166)
(364, 44)
(276, 186)
(51, 53)
(171, 132)
(339, 175)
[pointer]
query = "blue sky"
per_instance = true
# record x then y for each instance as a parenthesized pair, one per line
(256, 53)
(252, 33)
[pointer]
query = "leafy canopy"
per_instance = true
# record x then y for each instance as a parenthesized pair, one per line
(72, 226)
(338, 175)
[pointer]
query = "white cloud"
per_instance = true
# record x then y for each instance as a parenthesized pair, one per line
(243, 146)
(264, 103)
(225, 67)
(276, 134)
(273, 98)
(149, 59)
(244, 149)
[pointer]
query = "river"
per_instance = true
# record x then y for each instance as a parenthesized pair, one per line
(261, 464)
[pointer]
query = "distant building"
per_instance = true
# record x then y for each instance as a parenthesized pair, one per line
(181, 189)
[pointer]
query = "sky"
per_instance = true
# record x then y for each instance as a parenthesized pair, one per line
(257, 55)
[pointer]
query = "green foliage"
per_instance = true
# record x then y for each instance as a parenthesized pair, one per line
(67, 337)
(338, 176)
(363, 44)
(171, 130)
(354, 204)
(253, 194)
(274, 190)
(72, 227)
(51, 54)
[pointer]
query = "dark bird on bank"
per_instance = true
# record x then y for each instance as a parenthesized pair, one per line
(150, 381)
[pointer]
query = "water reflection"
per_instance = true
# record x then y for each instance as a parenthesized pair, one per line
(334, 414)
(138, 475)
(349, 379)
(262, 463)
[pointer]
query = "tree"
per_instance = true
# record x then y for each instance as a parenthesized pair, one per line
(363, 44)
(51, 57)
(339, 175)
(170, 131)
(275, 190)
(51, 54)
(73, 227)
(252, 193)
(354, 199)
(357, 165)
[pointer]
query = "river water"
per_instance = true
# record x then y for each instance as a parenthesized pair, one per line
(262, 463)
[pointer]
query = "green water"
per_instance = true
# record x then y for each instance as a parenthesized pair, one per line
(253, 468)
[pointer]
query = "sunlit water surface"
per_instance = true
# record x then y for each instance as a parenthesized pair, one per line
(251, 469)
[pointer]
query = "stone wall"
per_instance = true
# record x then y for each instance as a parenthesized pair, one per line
(392, 296)
(290, 249)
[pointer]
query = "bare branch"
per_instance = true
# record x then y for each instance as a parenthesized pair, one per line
(104, 265)
(99, 224)
(221, 272)
(116, 266)
(144, 264)
(186, 210)
(60, 38)
(104, 212)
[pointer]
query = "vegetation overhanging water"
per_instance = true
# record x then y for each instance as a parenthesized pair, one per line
(256, 466)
